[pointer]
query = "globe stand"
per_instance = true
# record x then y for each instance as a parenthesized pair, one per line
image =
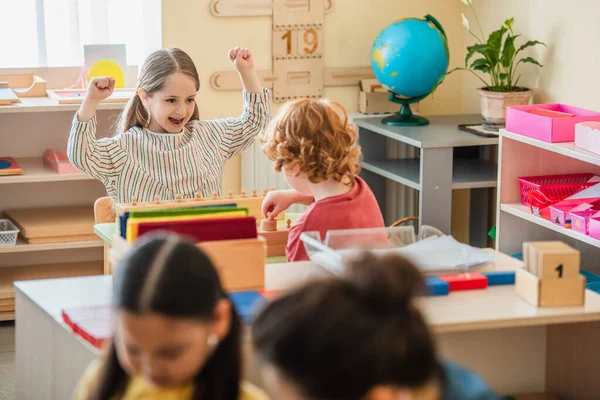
(405, 117)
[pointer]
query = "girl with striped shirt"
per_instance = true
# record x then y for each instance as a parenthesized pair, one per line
(162, 148)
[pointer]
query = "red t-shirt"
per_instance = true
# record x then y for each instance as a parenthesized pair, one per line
(356, 209)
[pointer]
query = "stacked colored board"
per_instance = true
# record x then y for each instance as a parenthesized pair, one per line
(208, 223)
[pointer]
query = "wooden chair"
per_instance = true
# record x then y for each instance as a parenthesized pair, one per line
(103, 213)
(104, 210)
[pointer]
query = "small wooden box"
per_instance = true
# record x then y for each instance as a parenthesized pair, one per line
(564, 292)
(374, 99)
(276, 242)
(240, 262)
(544, 258)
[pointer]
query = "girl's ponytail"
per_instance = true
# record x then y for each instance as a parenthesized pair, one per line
(134, 114)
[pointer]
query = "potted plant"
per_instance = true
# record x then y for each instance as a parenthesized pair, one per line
(499, 58)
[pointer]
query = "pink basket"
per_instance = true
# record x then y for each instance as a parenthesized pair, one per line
(554, 187)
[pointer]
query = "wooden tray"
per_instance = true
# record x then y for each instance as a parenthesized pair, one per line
(76, 96)
(54, 225)
(26, 85)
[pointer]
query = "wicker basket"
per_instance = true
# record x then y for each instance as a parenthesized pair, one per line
(8, 233)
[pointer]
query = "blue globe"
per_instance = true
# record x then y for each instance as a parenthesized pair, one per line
(410, 57)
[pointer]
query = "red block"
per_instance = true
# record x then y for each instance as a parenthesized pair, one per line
(467, 281)
(203, 230)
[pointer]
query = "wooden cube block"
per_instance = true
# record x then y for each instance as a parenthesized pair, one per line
(544, 259)
(558, 264)
(562, 292)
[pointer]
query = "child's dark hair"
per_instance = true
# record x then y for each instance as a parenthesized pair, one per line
(339, 338)
(166, 274)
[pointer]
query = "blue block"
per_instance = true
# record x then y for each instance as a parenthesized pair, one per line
(496, 278)
(246, 303)
(123, 224)
(436, 286)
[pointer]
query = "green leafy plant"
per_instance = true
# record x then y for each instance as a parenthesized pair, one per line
(497, 57)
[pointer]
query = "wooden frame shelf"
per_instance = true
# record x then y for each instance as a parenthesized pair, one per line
(520, 156)
(46, 104)
(523, 212)
(566, 149)
(22, 247)
(36, 171)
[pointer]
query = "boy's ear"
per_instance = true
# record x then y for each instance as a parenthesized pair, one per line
(222, 320)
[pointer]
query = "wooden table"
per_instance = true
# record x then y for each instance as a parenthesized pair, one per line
(515, 346)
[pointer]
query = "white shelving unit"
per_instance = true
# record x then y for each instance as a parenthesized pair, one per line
(26, 130)
(524, 156)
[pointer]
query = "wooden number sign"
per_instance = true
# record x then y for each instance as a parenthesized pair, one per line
(297, 49)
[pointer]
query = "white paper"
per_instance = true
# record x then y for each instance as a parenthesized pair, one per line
(588, 193)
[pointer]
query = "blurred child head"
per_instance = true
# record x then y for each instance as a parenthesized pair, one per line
(166, 94)
(351, 338)
(311, 141)
(173, 322)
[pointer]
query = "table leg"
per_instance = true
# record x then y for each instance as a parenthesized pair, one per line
(478, 219)
(435, 200)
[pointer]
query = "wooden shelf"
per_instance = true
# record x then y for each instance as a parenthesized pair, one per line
(10, 275)
(22, 247)
(45, 104)
(566, 149)
(523, 212)
(467, 173)
(36, 171)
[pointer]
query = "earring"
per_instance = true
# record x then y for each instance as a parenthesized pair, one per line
(212, 340)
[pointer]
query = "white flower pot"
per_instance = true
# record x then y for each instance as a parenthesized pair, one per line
(493, 105)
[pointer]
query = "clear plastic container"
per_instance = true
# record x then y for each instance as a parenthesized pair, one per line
(432, 251)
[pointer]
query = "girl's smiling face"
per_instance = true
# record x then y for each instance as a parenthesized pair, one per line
(172, 106)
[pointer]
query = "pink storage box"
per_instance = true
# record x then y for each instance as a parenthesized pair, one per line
(537, 121)
(580, 220)
(560, 212)
(587, 136)
(594, 226)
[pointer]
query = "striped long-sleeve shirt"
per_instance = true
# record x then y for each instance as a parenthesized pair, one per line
(142, 164)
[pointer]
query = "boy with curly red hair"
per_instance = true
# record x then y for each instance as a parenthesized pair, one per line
(316, 148)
